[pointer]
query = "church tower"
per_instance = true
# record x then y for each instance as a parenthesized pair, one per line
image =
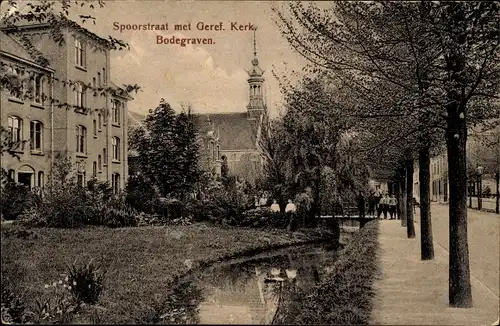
(256, 105)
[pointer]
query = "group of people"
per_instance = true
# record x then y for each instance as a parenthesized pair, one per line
(378, 202)
(275, 207)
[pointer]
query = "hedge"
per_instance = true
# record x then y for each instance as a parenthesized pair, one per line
(345, 295)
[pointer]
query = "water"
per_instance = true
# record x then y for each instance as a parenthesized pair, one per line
(249, 291)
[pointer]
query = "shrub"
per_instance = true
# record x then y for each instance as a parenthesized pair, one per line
(86, 282)
(14, 199)
(345, 294)
(13, 307)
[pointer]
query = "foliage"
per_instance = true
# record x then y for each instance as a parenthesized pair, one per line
(66, 204)
(140, 194)
(55, 307)
(86, 282)
(345, 295)
(13, 307)
(167, 151)
(14, 199)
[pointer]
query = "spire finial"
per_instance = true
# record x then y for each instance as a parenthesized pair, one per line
(255, 61)
(254, 43)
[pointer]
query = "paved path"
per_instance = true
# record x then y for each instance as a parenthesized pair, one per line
(414, 292)
(484, 242)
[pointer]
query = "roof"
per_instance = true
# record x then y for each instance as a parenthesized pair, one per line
(120, 91)
(14, 47)
(235, 130)
(46, 22)
(135, 119)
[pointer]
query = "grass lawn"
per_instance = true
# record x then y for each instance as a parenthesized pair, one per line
(141, 262)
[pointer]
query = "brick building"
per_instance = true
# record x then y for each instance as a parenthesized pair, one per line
(68, 107)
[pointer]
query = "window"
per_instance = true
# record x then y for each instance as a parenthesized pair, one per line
(38, 89)
(94, 168)
(104, 79)
(94, 127)
(93, 83)
(116, 112)
(18, 92)
(115, 182)
(15, 128)
(41, 180)
(11, 175)
(99, 162)
(105, 156)
(81, 179)
(99, 79)
(115, 144)
(218, 152)
(99, 120)
(81, 139)
(79, 52)
(79, 96)
(36, 128)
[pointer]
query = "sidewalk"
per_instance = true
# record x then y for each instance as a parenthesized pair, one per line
(414, 292)
(483, 230)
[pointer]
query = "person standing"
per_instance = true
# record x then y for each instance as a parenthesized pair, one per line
(275, 207)
(290, 211)
(380, 206)
(385, 205)
(378, 196)
(263, 200)
(371, 204)
(392, 207)
(361, 204)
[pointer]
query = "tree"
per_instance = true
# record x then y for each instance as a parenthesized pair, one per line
(167, 151)
(458, 88)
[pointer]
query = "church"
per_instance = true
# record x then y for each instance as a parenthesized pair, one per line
(232, 138)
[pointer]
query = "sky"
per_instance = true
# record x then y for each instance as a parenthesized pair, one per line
(210, 77)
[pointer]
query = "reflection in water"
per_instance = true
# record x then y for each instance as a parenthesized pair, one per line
(249, 292)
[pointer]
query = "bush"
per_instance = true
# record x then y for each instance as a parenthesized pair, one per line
(141, 195)
(14, 199)
(345, 294)
(86, 282)
(70, 206)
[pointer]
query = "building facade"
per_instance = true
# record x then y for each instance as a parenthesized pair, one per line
(481, 159)
(68, 108)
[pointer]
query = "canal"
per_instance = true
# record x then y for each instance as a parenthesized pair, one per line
(250, 290)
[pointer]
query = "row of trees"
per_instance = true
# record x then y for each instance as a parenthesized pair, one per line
(415, 76)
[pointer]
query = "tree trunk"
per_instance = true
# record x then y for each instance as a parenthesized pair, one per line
(426, 245)
(410, 225)
(404, 207)
(398, 195)
(497, 181)
(402, 200)
(460, 294)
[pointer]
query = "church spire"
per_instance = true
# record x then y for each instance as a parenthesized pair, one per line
(256, 105)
